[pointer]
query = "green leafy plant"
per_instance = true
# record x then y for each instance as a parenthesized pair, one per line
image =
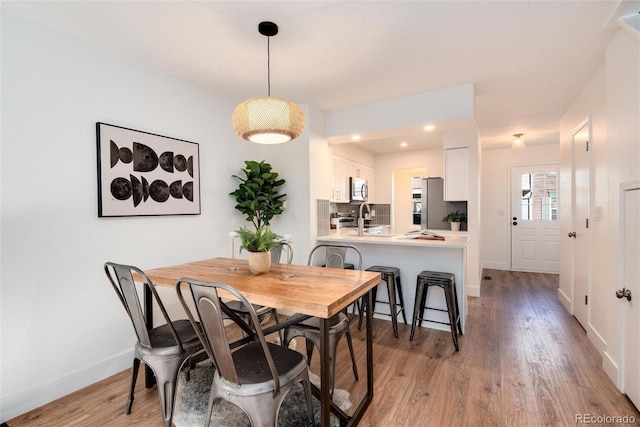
(455, 217)
(257, 195)
(260, 240)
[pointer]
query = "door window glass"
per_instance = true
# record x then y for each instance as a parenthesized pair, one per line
(539, 196)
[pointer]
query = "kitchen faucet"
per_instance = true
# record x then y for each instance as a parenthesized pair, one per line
(361, 218)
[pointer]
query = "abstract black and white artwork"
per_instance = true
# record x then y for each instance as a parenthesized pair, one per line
(143, 174)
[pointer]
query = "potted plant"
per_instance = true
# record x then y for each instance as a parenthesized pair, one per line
(257, 198)
(455, 218)
(257, 195)
(258, 243)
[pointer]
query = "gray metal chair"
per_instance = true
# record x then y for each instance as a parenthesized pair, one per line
(264, 313)
(335, 256)
(165, 349)
(256, 376)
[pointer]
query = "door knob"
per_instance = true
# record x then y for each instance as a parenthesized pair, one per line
(572, 234)
(514, 223)
(514, 218)
(624, 293)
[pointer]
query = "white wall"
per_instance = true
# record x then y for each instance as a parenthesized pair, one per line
(62, 325)
(355, 153)
(495, 211)
(611, 100)
(451, 103)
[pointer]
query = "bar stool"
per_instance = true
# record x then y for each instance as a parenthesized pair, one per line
(446, 281)
(390, 275)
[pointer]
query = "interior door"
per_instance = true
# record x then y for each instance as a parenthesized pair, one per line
(631, 281)
(535, 229)
(580, 233)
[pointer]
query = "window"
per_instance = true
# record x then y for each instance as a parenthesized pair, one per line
(539, 196)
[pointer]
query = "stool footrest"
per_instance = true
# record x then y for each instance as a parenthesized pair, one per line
(433, 321)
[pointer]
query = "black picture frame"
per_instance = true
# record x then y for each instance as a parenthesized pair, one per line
(145, 174)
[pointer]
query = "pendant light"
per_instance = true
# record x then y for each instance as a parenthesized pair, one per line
(268, 120)
(518, 143)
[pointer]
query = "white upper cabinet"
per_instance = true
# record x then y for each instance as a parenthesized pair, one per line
(370, 176)
(456, 174)
(341, 170)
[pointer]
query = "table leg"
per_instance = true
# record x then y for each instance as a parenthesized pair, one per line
(325, 397)
(149, 378)
(345, 420)
(362, 407)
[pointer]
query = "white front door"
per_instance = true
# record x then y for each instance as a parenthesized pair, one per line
(535, 229)
(631, 281)
(580, 218)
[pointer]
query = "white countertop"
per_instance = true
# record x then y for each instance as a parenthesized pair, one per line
(452, 239)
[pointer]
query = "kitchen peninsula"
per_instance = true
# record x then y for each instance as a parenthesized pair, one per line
(411, 256)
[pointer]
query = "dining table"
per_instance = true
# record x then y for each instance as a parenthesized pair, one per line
(305, 290)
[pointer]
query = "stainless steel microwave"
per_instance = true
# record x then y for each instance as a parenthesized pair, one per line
(358, 190)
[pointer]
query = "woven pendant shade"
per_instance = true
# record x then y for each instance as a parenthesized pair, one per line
(268, 120)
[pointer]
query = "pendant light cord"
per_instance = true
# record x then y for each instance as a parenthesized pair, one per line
(268, 68)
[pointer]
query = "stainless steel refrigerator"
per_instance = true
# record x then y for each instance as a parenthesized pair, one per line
(434, 208)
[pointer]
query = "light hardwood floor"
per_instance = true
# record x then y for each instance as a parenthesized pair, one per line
(523, 361)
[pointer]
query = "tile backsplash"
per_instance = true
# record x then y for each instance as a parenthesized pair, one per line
(325, 208)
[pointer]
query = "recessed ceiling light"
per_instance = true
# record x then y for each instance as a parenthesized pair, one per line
(355, 137)
(403, 144)
(429, 127)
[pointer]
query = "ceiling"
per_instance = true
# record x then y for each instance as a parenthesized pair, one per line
(528, 60)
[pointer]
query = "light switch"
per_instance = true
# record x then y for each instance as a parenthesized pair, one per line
(598, 213)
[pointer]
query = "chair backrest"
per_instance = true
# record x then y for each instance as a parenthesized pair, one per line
(276, 252)
(211, 312)
(121, 278)
(336, 255)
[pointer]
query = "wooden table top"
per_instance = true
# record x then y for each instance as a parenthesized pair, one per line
(315, 291)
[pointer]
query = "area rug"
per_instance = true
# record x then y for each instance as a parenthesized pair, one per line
(192, 397)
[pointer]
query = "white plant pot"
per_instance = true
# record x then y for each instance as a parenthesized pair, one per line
(455, 226)
(259, 262)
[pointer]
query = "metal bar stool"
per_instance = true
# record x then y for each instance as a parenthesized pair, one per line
(446, 281)
(390, 275)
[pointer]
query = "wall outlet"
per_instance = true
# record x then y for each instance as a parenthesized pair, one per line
(373, 212)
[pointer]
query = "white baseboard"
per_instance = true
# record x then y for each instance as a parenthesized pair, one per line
(496, 265)
(611, 368)
(596, 339)
(37, 395)
(565, 301)
(473, 291)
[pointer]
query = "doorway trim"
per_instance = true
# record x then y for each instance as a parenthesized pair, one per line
(578, 223)
(608, 361)
(512, 168)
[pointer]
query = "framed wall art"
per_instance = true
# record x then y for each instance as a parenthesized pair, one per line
(144, 174)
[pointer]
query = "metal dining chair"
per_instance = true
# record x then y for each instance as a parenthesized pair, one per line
(166, 348)
(257, 375)
(334, 257)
